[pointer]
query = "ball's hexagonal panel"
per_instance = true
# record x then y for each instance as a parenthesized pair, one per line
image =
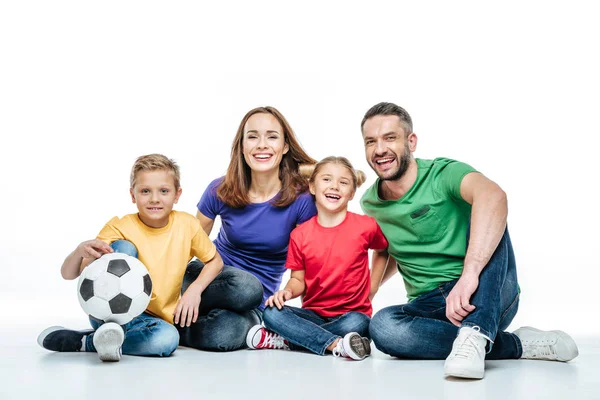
(97, 307)
(147, 285)
(118, 267)
(86, 290)
(96, 269)
(132, 284)
(106, 286)
(138, 305)
(119, 304)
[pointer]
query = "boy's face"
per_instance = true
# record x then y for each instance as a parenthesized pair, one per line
(154, 194)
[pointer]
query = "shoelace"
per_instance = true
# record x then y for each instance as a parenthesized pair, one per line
(540, 348)
(274, 341)
(468, 348)
(338, 351)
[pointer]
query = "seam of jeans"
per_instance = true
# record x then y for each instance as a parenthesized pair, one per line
(508, 308)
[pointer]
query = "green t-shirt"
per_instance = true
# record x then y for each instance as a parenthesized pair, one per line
(427, 227)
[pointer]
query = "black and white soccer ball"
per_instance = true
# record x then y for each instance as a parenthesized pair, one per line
(114, 288)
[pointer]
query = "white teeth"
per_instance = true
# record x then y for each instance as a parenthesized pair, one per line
(384, 160)
(333, 196)
(261, 157)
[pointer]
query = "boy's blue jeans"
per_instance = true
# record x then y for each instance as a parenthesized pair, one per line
(145, 335)
(420, 329)
(307, 330)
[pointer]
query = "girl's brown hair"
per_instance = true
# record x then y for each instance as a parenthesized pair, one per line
(358, 177)
(233, 191)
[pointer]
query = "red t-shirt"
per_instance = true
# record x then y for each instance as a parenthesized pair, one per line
(336, 263)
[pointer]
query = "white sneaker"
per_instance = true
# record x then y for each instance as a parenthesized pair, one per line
(259, 337)
(546, 345)
(108, 340)
(353, 346)
(467, 358)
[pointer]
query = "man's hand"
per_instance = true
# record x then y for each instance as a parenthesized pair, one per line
(458, 304)
(279, 298)
(94, 248)
(186, 311)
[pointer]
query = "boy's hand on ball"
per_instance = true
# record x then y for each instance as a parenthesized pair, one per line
(186, 311)
(94, 248)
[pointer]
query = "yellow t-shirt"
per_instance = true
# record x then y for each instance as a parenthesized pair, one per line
(165, 252)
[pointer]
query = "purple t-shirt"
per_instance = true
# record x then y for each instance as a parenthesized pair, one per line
(255, 238)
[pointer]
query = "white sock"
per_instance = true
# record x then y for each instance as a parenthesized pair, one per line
(83, 343)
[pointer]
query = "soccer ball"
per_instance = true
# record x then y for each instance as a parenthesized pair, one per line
(114, 288)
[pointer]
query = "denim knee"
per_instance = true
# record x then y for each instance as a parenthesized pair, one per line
(390, 333)
(125, 247)
(164, 341)
(358, 322)
(271, 316)
(249, 288)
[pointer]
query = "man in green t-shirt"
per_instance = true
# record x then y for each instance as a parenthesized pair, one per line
(446, 227)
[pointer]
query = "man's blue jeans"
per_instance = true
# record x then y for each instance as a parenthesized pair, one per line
(228, 309)
(145, 335)
(307, 330)
(420, 329)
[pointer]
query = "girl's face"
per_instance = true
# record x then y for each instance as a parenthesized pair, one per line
(332, 188)
(263, 144)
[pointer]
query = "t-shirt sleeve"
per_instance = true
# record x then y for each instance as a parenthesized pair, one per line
(202, 247)
(295, 258)
(306, 208)
(110, 233)
(451, 176)
(209, 203)
(378, 240)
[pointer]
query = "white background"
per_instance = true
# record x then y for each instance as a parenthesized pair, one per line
(86, 87)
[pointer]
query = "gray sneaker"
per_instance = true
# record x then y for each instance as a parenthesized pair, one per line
(546, 345)
(108, 340)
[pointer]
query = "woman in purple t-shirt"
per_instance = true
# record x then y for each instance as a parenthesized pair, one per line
(260, 200)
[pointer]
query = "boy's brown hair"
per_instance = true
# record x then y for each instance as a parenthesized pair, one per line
(155, 162)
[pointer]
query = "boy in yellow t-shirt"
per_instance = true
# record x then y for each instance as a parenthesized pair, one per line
(165, 241)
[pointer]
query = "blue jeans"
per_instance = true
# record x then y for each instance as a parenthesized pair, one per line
(421, 330)
(307, 330)
(228, 309)
(145, 335)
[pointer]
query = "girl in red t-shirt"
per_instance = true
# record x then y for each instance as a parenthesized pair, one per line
(328, 256)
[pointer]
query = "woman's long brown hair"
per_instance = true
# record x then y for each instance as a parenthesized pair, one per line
(233, 191)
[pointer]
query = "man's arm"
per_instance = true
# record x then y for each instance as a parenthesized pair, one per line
(488, 223)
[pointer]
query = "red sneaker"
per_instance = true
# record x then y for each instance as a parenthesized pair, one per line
(260, 337)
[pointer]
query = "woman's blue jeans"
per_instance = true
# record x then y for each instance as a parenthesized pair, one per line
(228, 309)
(420, 329)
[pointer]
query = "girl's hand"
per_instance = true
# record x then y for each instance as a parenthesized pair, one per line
(186, 311)
(93, 249)
(279, 298)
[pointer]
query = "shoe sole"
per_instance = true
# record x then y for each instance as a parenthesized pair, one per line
(250, 336)
(571, 346)
(108, 340)
(355, 347)
(463, 373)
